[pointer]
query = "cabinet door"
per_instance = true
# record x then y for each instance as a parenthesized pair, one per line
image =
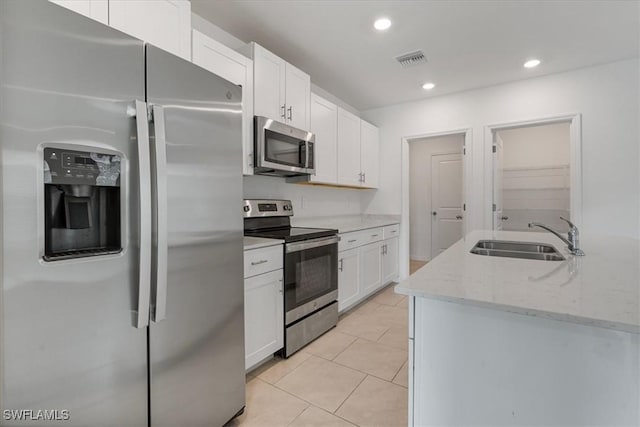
(238, 69)
(348, 279)
(263, 316)
(324, 124)
(269, 84)
(370, 154)
(370, 268)
(94, 9)
(163, 23)
(348, 148)
(390, 267)
(298, 95)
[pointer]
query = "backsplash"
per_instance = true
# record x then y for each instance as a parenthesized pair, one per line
(308, 200)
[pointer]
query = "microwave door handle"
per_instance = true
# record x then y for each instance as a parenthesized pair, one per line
(306, 153)
(159, 301)
(144, 223)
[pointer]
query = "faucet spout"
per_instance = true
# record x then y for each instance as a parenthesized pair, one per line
(571, 241)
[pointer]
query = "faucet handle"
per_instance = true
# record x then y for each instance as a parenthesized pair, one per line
(570, 223)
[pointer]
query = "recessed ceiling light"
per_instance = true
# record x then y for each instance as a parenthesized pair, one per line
(382, 24)
(428, 86)
(532, 63)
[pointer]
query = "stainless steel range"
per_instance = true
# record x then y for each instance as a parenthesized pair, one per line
(310, 270)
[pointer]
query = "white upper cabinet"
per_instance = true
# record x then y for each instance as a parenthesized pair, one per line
(163, 23)
(349, 171)
(269, 73)
(324, 124)
(94, 9)
(282, 92)
(238, 69)
(369, 154)
(298, 97)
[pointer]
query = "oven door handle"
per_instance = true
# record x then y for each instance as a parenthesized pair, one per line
(310, 244)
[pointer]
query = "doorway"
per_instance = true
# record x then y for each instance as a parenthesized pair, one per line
(435, 196)
(532, 176)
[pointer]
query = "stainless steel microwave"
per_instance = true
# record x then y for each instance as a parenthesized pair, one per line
(282, 150)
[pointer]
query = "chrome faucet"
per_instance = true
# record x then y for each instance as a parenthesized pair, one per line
(572, 241)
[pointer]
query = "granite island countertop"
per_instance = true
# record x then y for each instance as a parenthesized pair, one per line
(600, 289)
(346, 223)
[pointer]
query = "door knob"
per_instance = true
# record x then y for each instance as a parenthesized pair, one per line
(434, 213)
(504, 218)
(458, 216)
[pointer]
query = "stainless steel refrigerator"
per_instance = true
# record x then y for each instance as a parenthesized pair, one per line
(121, 299)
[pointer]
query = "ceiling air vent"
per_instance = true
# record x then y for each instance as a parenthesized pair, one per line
(412, 58)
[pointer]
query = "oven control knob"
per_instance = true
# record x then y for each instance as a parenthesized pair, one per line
(246, 208)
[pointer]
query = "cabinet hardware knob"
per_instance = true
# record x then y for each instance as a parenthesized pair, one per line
(504, 218)
(458, 216)
(262, 261)
(290, 109)
(284, 114)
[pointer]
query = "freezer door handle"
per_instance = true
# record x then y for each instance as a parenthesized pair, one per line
(144, 179)
(159, 176)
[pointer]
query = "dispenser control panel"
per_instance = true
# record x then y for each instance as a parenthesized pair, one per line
(81, 167)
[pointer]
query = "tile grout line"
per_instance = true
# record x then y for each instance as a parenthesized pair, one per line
(349, 395)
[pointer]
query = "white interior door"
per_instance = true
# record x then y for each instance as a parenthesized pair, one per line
(498, 160)
(446, 201)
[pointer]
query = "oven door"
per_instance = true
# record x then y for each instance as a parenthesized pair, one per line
(311, 276)
(282, 148)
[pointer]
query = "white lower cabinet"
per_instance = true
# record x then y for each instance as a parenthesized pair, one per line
(370, 267)
(366, 263)
(348, 278)
(390, 253)
(263, 307)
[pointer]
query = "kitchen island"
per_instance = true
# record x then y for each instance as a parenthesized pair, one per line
(506, 341)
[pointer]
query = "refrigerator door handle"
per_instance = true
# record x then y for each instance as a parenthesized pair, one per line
(159, 302)
(144, 179)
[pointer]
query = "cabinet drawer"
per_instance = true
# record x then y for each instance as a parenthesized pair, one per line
(372, 235)
(350, 240)
(391, 231)
(258, 261)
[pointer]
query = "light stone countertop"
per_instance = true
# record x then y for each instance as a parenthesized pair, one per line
(346, 223)
(259, 242)
(600, 289)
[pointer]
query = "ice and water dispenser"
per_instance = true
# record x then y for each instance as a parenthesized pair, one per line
(82, 204)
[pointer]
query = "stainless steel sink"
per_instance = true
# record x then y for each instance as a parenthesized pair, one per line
(523, 250)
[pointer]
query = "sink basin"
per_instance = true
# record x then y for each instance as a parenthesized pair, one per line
(522, 250)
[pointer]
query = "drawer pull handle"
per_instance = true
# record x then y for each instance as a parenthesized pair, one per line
(352, 241)
(262, 261)
(374, 235)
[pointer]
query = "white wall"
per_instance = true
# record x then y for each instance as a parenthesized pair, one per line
(420, 152)
(308, 200)
(607, 98)
(535, 146)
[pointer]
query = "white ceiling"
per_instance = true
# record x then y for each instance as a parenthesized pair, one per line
(468, 44)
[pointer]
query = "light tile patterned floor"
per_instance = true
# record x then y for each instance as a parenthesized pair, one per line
(354, 375)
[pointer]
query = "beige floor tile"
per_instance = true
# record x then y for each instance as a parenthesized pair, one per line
(316, 417)
(397, 337)
(376, 403)
(268, 406)
(363, 326)
(281, 367)
(404, 302)
(402, 377)
(367, 308)
(392, 316)
(321, 382)
(373, 358)
(330, 344)
(415, 265)
(388, 296)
